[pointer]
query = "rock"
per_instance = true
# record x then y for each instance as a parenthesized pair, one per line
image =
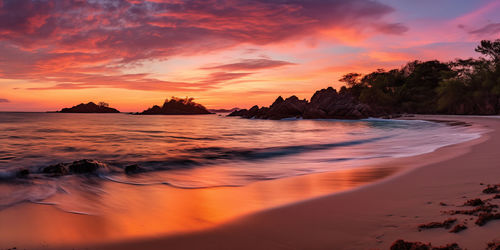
(56, 170)
(484, 218)
(491, 189)
(177, 106)
(84, 166)
(474, 202)
(90, 108)
(445, 224)
(134, 169)
(407, 245)
(324, 104)
(23, 173)
(458, 228)
(493, 245)
(290, 107)
(241, 112)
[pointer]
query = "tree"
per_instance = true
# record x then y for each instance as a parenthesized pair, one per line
(490, 49)
(351, 79)
(103, 104)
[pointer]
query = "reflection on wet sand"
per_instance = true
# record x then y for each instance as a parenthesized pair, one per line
(146, 211)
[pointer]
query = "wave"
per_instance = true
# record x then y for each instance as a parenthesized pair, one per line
(201, 156)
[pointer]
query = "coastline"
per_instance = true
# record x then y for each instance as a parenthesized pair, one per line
(302, 222)
(372, 216)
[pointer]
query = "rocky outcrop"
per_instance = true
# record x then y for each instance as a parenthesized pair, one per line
(84, 166)
(90, 108)
(325, 104)
(177, 106)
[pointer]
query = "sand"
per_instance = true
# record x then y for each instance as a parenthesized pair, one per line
(372, 216)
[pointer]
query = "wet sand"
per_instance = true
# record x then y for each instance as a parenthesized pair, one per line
(371, 216)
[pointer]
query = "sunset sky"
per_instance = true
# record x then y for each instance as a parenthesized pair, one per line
(224, 53)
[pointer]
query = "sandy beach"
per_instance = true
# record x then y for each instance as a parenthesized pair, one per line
(373, 216)
(370, 208)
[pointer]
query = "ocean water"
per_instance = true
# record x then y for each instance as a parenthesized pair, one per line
(194, 152)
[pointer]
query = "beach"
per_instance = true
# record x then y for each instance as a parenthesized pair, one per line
(373, 216)
(363, 208)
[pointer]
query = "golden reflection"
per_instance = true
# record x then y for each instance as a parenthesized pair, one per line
(145, 211)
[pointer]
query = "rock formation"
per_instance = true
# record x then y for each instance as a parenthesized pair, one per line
(324, 104)
(177, 106)
(90, 108)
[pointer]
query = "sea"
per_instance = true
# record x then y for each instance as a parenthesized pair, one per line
(194, 151)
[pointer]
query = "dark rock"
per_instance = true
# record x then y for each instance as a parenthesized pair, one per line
(483, 208)
(445, 224)
(324, 104)
(223, 110)
(90, 108)
(84, 166)
(491, 189)
(177, 106)
(458, 228)
(241, 112)
(407, 245)
(474, 202)
(493, 245)
(486, 217)
(57, 169)
(23, 173)
(288, 108)
(134, 169)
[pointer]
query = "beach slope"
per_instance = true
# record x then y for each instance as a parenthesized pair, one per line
(376, 215)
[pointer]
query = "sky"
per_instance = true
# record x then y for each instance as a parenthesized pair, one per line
(134, 54)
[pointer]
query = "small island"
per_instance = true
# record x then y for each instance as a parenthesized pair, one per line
(90, 107)
(177, 106)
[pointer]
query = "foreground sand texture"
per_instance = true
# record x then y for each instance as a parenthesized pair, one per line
(374, 216)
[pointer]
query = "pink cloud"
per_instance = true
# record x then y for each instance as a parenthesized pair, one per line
(79, 43)
(250, 64)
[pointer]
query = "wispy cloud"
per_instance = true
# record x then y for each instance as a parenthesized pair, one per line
(3, 100)
(489, 29)
(250, 64)
(54, 41)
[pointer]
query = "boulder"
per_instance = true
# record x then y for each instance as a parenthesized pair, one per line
(134, 169)
(325, 104)
(84, 166)
(57, 169)
(87, 166)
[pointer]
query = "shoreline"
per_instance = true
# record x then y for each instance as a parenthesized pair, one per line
(370, 216)
(213, 234)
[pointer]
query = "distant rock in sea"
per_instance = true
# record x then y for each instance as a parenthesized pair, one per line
(324, 104)
(90, 107)
(177, 106)
(223, 110)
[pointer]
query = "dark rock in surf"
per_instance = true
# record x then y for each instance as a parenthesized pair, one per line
(23, 173)
(84, 166)
(134, 169)
(56, 170)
